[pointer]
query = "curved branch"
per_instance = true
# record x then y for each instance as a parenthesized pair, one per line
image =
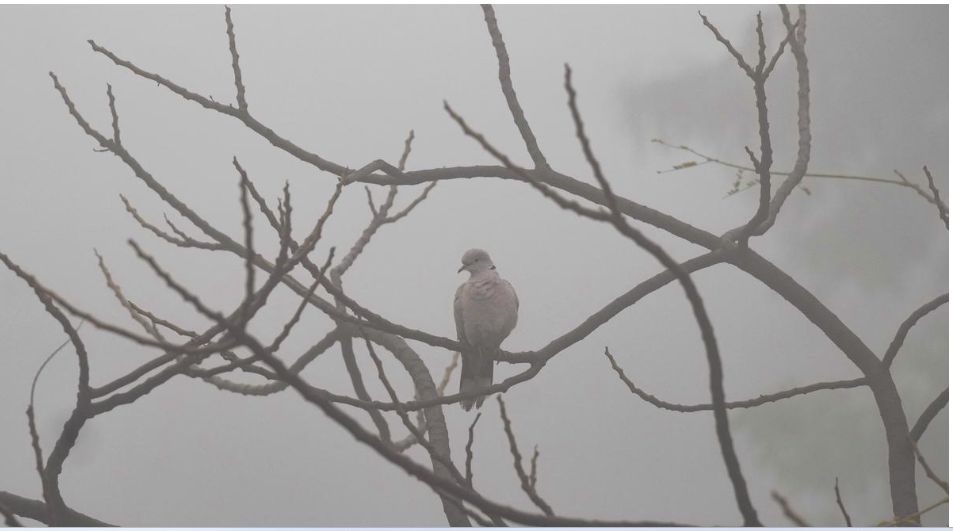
(929, 414)
(740, 404)
(907, 324)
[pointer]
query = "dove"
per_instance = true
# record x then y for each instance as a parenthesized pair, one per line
(485, 309)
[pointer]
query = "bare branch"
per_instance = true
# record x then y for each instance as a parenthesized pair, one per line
(803, 117)
(430, 478)
(48, 490)
(246, 219)
(158, 321)
(412, 205)
(691, 292)
(36, 377)
(532, 466)
(49, 474)
(262, 204)
(277, 386)
(548, 176)
(93, 320)
(286, 329)
(910, 184)
(506, 84)
(762, 46)
(780, 51)
(929, 471)
(470, 449)
(176, 230)
(406, 418)
(944, 212)
(740, 404)
(788, 512)
(907, 324)
(707, 159)
(182, 241)
(370, 201)
(147, 325)
(731, 49)
(36, 510)
(9, 518)
(447, 372)
(239, 87)
(115, 115)
(929, 414)
(38, 459)
(840, 503)
(528, 487)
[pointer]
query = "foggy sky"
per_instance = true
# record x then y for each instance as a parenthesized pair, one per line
(348, 83)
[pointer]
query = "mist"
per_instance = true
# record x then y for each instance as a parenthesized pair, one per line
(349, 83)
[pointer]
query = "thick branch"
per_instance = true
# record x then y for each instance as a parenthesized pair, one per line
(36, 510)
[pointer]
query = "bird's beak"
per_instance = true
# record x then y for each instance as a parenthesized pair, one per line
(461, 269)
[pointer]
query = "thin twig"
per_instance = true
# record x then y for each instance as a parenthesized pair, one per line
(447, 373)
(708, 159)
(912, 518)
(940, 206)
(114, 113)
(532, 467)
(943, 484)
(788, 512)
(910, 184)
(469, 449)
(518, 462)
(739, 404)
(237, 71)
(840, 503)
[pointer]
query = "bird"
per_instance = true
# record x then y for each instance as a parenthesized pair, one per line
(485, 309)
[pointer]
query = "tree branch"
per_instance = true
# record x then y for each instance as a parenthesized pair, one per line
(929, 414)
(740, 404)
(943, 211)
(506, 84)
(840, 504)
(36, 510)
(525, 483)
(907, 324)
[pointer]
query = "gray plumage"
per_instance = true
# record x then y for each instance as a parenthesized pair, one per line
(485, 309)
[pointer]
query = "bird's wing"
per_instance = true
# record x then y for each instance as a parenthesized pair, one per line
(458, 314)
(513, 291)
(511, 308)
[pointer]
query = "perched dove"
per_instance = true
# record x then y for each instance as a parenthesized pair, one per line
(485, 308)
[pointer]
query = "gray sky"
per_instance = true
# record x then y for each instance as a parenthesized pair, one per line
(348, 83)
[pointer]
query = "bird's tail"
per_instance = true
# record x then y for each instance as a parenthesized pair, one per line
(476, 374)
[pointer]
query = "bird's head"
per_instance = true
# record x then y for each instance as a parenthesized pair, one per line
(476, 260)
